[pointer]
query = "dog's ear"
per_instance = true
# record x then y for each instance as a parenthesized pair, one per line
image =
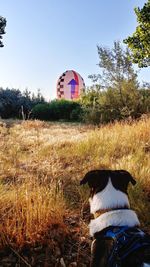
(127, 176)
(121, 180)
(95, 179)
(87, 179)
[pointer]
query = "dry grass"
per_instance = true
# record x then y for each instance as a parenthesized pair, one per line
(41, 165)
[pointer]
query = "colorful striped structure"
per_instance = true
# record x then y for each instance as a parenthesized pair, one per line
(70, 85)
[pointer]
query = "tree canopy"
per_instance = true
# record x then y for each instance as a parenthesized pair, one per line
(2, 29)
(139, 42)
(116, 93)
(116, 67)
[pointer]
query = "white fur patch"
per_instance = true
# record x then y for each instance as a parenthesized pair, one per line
(146, 265)
(114, 218)
(108, 198)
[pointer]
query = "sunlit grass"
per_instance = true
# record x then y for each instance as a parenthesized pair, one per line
(28, 211)
(41, 165)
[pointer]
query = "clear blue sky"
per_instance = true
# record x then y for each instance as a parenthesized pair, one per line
(46, 37)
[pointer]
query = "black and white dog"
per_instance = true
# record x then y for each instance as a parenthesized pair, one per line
(118, 241)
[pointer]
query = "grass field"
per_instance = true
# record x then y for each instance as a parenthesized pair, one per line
(41, 164)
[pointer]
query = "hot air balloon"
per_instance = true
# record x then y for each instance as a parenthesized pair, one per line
(70, 85)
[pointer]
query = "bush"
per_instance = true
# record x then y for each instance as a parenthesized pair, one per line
(107, 106)
(58, 110)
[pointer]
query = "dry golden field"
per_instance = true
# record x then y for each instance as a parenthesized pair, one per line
(41, 203)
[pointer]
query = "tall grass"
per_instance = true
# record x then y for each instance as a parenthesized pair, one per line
(41, 165)
(28, 211)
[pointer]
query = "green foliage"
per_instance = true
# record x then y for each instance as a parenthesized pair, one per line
(115, 65)
(90, 105)
(58, 110)
(116, 68)
(144, 99)
(106, 106)
(14, 104)
(2, 29)
(139, 42)
(117, 96)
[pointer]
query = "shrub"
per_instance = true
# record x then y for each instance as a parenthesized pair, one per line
(106, 106)
(58, 110)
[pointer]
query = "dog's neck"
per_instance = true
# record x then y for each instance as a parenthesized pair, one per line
(122, 217)
(100, 212)
(111, 207)
(109, 198)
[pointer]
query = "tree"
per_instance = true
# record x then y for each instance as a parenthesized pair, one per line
(37, 99)
(116, 96)
(15, 104)
(139, 42)
(2, 29)
(116, 69)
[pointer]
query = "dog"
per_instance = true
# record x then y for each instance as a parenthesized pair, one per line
(117, 239)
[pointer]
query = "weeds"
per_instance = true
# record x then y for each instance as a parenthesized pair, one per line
(41, 165)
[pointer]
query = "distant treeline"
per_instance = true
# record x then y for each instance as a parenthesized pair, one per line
(94, 106)
(15, 104)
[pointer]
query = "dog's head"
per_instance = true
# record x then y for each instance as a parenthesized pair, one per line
(108, 188)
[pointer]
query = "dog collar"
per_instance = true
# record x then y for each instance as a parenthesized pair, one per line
(102, 211)
(119, 217)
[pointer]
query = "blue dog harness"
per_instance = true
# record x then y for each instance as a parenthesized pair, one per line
(126, 241)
